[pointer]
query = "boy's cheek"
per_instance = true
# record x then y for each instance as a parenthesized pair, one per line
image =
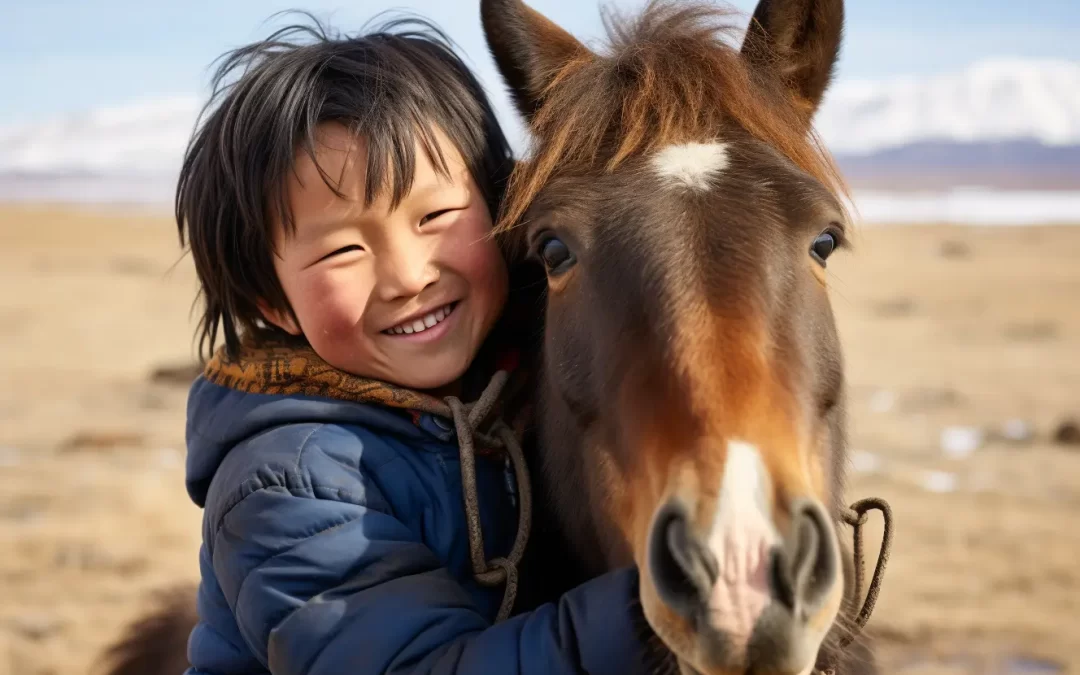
(488, 263)
(485, 271)
(333, 306)
(473, 254)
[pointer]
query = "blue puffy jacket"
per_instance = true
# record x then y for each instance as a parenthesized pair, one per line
(334, 539)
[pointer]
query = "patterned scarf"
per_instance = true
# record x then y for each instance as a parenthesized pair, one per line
(296, 370)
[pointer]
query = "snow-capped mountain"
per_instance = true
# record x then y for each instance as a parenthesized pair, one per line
(991, 101)
(1011, 124)
(145, 136)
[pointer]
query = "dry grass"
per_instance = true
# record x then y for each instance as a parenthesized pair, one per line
(969, 326)
(954, 325)
(93, 512)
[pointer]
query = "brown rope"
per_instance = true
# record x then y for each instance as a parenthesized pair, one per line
(855, 515)
(468, 419)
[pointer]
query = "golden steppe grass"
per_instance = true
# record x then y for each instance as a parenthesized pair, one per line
(942, 325)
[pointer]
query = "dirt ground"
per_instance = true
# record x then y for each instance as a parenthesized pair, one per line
(942, 326)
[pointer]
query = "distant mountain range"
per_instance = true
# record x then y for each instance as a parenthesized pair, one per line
(143, 137)
(934, 165)
(1005, 124)
(995, 100)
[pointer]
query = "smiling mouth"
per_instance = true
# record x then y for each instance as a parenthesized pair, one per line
(426, 322)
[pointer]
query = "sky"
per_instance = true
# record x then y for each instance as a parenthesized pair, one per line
(63, 56)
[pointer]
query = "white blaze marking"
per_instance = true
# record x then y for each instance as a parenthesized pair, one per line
(742, 505)
(691, 165)
(741, 538)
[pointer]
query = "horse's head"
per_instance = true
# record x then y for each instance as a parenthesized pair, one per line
(692, 370)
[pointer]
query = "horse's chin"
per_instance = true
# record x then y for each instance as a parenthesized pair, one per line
(696, 651)
(685, 667)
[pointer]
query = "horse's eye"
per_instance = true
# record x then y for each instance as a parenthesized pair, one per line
(823, 247)
(556, 256)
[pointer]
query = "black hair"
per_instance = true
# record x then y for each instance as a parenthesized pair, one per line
(392, 86)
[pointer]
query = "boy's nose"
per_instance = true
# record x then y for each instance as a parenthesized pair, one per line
(404, 276)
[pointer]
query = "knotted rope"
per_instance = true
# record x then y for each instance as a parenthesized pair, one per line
(468, 421)
(855, 515)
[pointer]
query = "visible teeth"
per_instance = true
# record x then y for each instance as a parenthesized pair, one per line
(422, 324)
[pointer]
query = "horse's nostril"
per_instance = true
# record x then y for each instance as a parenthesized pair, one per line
(805, 569)
(683, 570)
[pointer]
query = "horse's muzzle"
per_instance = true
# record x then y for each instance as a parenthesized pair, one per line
(755, 601)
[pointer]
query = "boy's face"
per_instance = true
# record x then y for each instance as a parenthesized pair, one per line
(404, 296)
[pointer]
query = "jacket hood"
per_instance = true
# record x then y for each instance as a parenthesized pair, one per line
(278, 384)
(269, 386)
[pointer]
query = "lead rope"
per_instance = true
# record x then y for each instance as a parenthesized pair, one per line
(467, 420)
(855, 516)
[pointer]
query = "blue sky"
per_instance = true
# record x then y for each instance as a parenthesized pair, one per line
(59, 56)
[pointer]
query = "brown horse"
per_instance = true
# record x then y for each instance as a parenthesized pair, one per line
(691, 405)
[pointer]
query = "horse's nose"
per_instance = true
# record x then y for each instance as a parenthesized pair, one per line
(757, 599)
(805, 567)
(683, 570)
(804, 581)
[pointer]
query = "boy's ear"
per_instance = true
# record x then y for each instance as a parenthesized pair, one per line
(283, 320)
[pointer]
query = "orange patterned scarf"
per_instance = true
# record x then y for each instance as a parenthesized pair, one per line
(296, 370)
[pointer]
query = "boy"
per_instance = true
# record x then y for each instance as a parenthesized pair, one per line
(337, 202)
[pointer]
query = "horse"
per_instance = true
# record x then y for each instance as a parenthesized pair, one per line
(690, 390)
(691, 401)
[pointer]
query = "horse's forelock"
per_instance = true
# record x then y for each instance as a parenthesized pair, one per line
(670, 75)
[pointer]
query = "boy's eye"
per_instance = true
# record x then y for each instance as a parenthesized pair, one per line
(343, 249)
(434, 215)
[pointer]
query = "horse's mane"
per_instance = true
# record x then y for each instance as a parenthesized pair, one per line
(670, 75)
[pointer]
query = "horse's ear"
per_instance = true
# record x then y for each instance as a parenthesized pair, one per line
(799, 42)
(528, 48)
